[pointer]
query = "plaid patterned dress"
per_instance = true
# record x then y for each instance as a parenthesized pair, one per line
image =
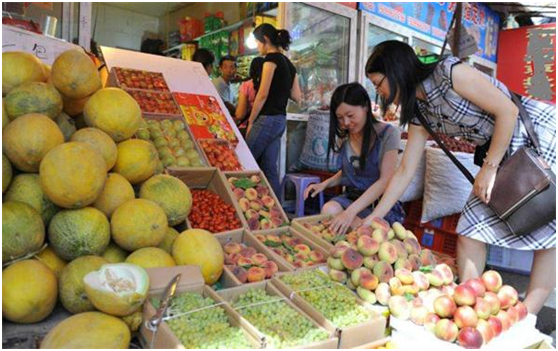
(449, 113)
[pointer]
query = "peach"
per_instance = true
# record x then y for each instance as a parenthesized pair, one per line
(352, 238)
(256, 274)
(521, 310)
(328, 235)
(265, 224)
(507, 296)
(251, 194)
(369, 281)
(412, 289)
(370, 261)
(337, 251)
(492, 281)
(262, 190)
(417, 301)
(244, 204)
(400, 231)
(415, 262)
(464, 295)
(477, 285)
(351, 259)
(357, 273)
(289, 258)
(493, 301)
(470, 338)
(338, 276)
(367, 246)
(383, 293)
(465, 316)
(292, 242)
(430, 322)
(277, 221)
(446, 272)
(379, 235)
(232, 259)
(448, 290)
(301, 256)
(403, 263)
(496, 326)
(268, 201)
(232, 180)
(399, 307)
(419, 315)
(238, 194)
(435, 278)
(446, 330)
(335, 263)
(248, 252)
(400, 247)
(265, 214)
(255, 179)
(273, 240)
(256, 205)
(366, 295)
(412, 246)
(277, 251)
(505, 319)
(390, 234)
(350, 284)
(444, 306)
(259, 259)
(421, 280)
(270, 268)
(410, 234)
(513, 315)
(427, 258)
(252, 214)
(302, 248)
(260, 237)
(405, 276)
(388, 253)
(316, 257)
(232, 248)
(482, 308)
(486, 331)
(380, 223)
(244, 262)
(395, 286)
(300, 264)
(240, 274)
(364, 231)
(384, 271)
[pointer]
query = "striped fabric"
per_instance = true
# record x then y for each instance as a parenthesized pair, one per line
(449, 113)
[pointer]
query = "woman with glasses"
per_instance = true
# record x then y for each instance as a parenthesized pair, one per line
(368, 150)
(456, 100)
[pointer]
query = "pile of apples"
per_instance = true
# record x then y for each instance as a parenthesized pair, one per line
(247, 264)
(472, 314)
(293, 250)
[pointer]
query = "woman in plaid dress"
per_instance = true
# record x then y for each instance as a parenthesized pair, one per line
(459, 101)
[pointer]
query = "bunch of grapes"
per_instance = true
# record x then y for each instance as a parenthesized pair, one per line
(282, 325)
(334, 301)
(208, 328)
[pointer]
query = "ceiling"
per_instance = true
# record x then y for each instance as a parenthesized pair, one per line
(156, 9)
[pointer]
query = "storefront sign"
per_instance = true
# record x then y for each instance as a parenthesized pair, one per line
(433, 19)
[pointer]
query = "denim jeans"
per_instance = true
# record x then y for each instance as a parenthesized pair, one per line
(264, 142)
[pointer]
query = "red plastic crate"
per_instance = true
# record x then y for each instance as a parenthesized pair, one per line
(435, 239)
(413, 210)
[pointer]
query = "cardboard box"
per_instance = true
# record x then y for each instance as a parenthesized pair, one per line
(295, 234)
(298, 225)
(209, 179)
(349, 337)
(228, 279)
(138, 94)
(231, 295)
(191, 281)
(161, 85)
(375, 344)
(224, 143)
(265, 182)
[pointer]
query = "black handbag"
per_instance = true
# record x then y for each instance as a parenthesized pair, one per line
(524, 192)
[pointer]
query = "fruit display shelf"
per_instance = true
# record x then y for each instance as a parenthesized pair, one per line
(158, 103)
(210, 179)
(256, 200)
(174, 142)
(247, 260)
(315, 228)
(220, 153)
(334, 305)
(293, 248)
(279, 321)
(127, 78)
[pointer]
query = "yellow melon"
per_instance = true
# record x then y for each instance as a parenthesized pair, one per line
(74, 74)
(117, 191)
(51, 260)
(151, 257)
(136, 160)
(34, 97)
(20, 67)
(100, 141)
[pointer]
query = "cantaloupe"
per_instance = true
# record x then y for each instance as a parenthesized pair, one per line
(81, 232)
(115, 254)
(138, 223)
(100, 141)
(51, 260)
(5, 118)
(34, 97)
(66, 124)
(26, 188)
(73, 175)
(136, 161)
(151, 257)
(170, 236)
(71, 286)
(200, 248)
(74, 107)
(113, 111)
(74, 74)
(171, 194)
(7, 173)
(117, 191)
(20, 67)
(89, 330)
(29, 292)
(23, 231)
(26, 140)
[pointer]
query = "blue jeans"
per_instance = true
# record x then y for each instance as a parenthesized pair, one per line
(264, 142)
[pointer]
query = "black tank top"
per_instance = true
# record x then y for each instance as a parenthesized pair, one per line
(281, 84)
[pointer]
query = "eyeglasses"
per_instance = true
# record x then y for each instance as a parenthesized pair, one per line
(377, 87)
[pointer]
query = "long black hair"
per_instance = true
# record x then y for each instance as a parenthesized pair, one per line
(256, 67)
(352, 94)
(278, 38)
(404, 71)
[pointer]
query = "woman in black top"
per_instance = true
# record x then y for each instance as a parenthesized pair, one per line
(268, 117)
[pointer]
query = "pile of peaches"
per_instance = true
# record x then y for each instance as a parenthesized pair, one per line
(292, 249)
(248, 265)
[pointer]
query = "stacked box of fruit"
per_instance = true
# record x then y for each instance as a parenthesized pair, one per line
(155, 102)
(220, 154)
(316, 228)
(206, 326)
(247, 264)
(282, 325)
(260, 207)
(293, 248)
(127, 78)
(175, 146)
(211, 213)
